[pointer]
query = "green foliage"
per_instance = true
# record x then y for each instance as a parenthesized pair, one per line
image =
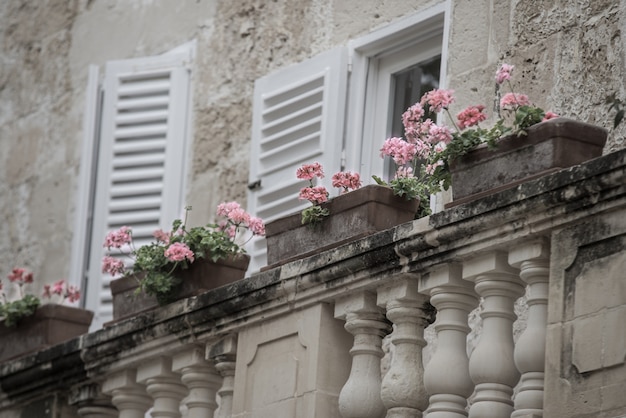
(209, 242)
(14, 311)
(162, 285)
(314, 215)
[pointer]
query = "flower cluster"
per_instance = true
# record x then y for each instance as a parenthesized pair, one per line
(25, 304)
(422, 156)
(157, 263)
(317, 195)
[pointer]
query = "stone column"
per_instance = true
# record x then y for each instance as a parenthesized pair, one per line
(91, 403)
(446, 376)
(201, 378)
(360, 396)
(224, 356)
(129, 397)
(533, 260)
(163, 385)
(491, 364)
(402, 391)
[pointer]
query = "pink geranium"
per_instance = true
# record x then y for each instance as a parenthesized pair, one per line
(347, 180)
(179, 252)
(512, 101)
(119, 238)
(112, 266)
(225, 208)
(256, 225)
(413, 116)
(315, 195)
(20, 276)
(549, 115)
(310, 171)
(161, 236)
(438, 99)
(400, 150)
(471, 116)
(504, 73)
(439, 134)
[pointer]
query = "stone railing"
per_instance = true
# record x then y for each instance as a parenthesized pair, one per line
(275, 344)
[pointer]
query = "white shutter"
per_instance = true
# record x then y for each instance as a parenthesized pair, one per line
(140, 171)
(298, 118)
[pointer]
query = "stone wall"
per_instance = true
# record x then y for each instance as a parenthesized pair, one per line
(569, 56)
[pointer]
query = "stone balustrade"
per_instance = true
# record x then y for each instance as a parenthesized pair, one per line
(307, 339)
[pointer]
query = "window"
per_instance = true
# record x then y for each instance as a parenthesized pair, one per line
(132, 169)
(337, 108)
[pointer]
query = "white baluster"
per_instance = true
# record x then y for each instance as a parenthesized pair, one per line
(129, 397)
(202, 380)
(446, 376)
(533, 260)
(402, 391)
(224, 355)
(360, 396)
(163, 386)
(491, 364)
(91, 403)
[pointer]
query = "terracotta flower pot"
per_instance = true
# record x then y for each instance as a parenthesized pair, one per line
(353, 215)
(50, 325)
(549, 146)
(201, 276)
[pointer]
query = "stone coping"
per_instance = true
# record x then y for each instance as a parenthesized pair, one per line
(531, 209)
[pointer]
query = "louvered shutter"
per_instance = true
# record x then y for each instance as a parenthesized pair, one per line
(298, 118)
(140, 172)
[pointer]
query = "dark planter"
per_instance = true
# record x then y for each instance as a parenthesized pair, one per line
(50, 325)
(353, 215)
(202, 276)
(549, 146)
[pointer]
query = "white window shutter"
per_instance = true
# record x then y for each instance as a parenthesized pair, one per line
(298, 118)
(140, 175)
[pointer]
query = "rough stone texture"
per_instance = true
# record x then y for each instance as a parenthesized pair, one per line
(569, 56)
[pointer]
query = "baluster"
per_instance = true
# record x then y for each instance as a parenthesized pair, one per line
(360, 396)
(491, 364)
(533, 260)
(224, 355)
(446, 376)
(201, 379)
(163, 386)
(129, 397)
(402, 391)
(91, 403)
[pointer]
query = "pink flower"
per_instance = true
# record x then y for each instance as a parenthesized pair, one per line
(178, 252)
(239, 216)
(438, 99)
(161, 236)
(17, 275)
(119, 238)
(440, 147)
(315, 195)
(471, 116)
(347, 180)
(310, 171)
(72, 294)
(430, 168)
(512, 101)
(549, 115)
(46, 291)
(401, 151)
(224, 209)
(58, 287)
(257, 226)
(439, 134)
(504, 73)
(112, 265)
(404, 172)
(413, 116)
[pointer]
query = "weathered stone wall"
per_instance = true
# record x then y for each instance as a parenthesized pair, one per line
(569, 56)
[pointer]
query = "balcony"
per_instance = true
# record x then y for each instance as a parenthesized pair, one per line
(344, 333)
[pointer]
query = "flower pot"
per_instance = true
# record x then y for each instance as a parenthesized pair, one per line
(353, 215)
(49, 325)
(201, 276)
(549, 146)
